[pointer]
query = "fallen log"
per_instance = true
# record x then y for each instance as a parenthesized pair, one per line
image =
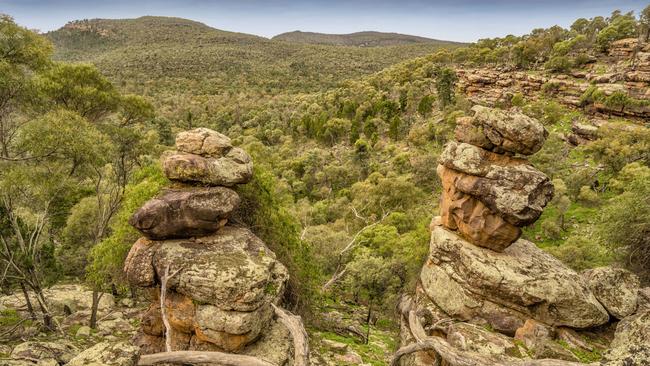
(199, 357)
(298, 333)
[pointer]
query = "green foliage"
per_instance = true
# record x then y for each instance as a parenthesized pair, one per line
(625, 220)
(426, 105)
(446, 79)
(559, 64)
(108, 256)
(623, 26)
(267, 217)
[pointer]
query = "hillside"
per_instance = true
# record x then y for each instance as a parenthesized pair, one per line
(166, 53)
(358, 39)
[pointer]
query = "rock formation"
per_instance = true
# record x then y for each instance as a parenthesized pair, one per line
(487, 297)
(488, 193)
(628, 71)
(214, 285)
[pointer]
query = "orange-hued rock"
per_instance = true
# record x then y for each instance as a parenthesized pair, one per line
(180, 312)
(138, 265)
(473, 219)
(226, 341)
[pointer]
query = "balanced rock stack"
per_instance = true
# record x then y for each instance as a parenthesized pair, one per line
(220, 281)
(485, 296)
(488, 193)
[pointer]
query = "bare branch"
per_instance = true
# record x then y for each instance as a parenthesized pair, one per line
(198, 357)
(299, 334)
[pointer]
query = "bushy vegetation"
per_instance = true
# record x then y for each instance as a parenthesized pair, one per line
(345, 154)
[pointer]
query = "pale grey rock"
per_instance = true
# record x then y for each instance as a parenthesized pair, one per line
(107, 354)
(231, 330)
(232, 270)
(510, 130)
(616, 288)
(630, 346)
(473, 338)
(44, 351)
(234, 168)
(204, 142)
(523, 281)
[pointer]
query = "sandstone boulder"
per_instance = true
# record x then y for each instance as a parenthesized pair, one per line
(204, 142)
(231, 330)
(232, 270)
(616, 288)
(44, 351)
(107, 354)
(473, 338)
(138, 265)
(509, 131)
(185, 213)
(467, 281)
(475, 221)
(509, 187)
(630, 346)
(233, 168)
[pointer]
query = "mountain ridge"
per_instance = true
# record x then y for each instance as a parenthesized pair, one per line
(358, 39)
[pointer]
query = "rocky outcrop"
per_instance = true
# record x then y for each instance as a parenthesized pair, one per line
(221, 280)
(522, 282)
(616, 288)
(487, 192)
(486, 296)
(628, 71)
(630, 346)
(107, 354)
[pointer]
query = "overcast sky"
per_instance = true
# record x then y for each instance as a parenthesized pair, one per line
(457, 20)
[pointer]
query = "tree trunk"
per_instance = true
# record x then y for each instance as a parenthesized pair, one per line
(368, 322)
(134, 294)
(28, 301)
(97, 296)
(48, 322)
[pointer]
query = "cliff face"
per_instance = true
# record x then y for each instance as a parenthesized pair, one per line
(626, 69)
(486, 297)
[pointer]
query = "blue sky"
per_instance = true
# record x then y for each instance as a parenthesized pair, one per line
(458, 20)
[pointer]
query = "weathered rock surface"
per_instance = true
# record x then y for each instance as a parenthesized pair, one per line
(630, 346)
(232, 269)
(467, 281)
(473, 220)
(204, 142)
(510, 131)
(184, 213)
(470, 337)
(231, 330)
(233, 168)
(616, 288)
(44, 352)
(59, 297)
(509, 187)
(107, 354)
(138, 265)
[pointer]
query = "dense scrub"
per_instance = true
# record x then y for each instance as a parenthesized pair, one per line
(345, 183)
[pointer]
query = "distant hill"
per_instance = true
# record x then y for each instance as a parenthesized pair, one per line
(170, 54)
(359, 39)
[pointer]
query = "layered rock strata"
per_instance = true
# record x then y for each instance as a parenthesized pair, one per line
(221, 280)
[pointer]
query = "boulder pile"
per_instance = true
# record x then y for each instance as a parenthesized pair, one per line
(214, 284)
(488, 193)
(486, 296)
